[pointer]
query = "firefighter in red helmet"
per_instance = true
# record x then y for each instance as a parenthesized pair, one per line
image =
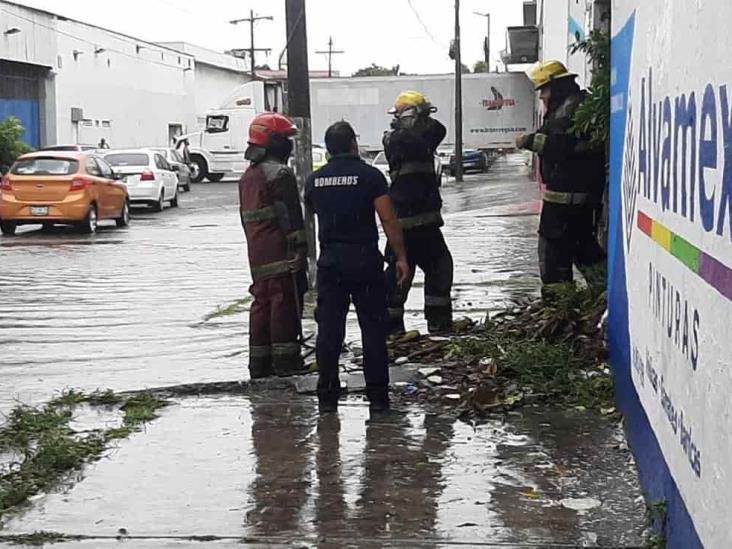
(273, 223)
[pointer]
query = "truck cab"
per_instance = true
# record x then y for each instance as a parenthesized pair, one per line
(218, 150)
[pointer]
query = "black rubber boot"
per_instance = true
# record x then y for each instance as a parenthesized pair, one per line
(328, 402)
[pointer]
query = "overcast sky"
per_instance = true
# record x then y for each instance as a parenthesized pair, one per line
(385, 32)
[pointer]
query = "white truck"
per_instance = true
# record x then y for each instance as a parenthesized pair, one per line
(496, 107)
(218, 150)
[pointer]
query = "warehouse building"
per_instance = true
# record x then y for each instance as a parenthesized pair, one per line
(72, 82)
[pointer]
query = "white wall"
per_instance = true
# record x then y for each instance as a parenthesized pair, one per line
(36, 44)
(213, 86)
(129, 96)
(555, 38)
(139, 94)
(671, 291)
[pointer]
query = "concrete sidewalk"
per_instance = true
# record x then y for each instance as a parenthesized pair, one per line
(268, 470)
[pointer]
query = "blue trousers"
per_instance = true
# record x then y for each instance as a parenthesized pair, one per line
(348, 273)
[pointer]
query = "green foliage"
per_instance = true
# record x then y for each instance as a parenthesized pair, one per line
(377, 70)
(480, 66)
(37, 539)
(48, 449)
(464, 68)
(593, 116)
(552, 348)
(11, 141)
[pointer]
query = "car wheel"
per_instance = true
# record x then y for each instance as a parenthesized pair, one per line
(159, 206)
(215, 177)
(89, 225)
(199, 170)
(8, 227)
(174, 201)
(124, 219)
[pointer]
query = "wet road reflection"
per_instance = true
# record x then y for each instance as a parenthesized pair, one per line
(140, 307)
(268, 469)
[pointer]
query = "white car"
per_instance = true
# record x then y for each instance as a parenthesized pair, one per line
(149, 177)
(382, 164)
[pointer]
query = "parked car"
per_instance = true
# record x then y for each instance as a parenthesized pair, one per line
(182, 170)
(70, 148)
(382, 164)
(150, 179)
(50, 187)
(473, 160)
(320, 158)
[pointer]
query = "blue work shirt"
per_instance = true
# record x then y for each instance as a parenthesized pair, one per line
(342, 194)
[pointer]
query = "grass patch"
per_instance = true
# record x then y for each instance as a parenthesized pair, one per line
(38, 539)
(235, 308)
(551, 348)
(50, 450)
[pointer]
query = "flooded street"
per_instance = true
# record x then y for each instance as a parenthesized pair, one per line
(142, 307)
(128, 309)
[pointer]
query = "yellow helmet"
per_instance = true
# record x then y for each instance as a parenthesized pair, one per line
(544, 73)
(412, 99)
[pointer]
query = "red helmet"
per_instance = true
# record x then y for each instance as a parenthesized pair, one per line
(267, 125)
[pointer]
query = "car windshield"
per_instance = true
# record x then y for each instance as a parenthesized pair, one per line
(176, 157)
(317, 156)
(127, 159)
(380, 159)
(45, 166)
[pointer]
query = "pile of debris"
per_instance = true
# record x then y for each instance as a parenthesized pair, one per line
(533, 350)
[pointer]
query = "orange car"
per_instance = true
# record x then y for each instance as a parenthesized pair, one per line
(49, 187)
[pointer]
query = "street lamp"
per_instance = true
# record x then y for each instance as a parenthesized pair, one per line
(487, 43)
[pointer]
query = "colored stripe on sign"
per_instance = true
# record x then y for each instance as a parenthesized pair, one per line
(712, 271)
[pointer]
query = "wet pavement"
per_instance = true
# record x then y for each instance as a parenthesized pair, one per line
(269, 470)
(127, 309)
(132, 309)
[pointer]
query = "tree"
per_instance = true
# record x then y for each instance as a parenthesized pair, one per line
(464, 68)
(480, 66)
(377, 70)
(11, 141)
(593, 115)
(264, 67)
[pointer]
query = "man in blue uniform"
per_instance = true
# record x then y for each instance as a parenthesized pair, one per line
(345, 194)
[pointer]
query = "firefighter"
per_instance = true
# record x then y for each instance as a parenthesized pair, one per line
(410, 148)
(273, 223)
(573, 171)
(345, 195)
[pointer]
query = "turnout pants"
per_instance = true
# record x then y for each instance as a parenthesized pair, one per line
(274, 327)
(567, 237)
(343, 275)
(426, 249)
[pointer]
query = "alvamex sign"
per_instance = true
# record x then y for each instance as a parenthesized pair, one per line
(678, 144)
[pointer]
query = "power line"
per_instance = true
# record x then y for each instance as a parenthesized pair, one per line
(252, 19)
(330, 52)
(424, 26)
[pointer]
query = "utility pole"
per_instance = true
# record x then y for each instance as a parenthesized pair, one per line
(330, 53)
(298, 99)
(458, 99)
(487, 43)
(252, 19)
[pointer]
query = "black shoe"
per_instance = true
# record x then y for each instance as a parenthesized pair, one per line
(379, 409)
(327, 406)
